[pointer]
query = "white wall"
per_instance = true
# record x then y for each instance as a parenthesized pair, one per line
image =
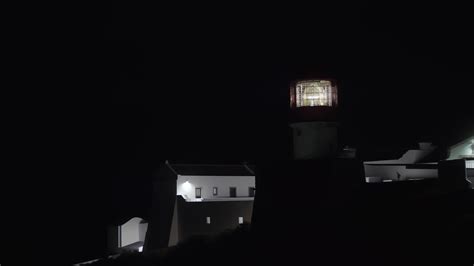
(174, 232)
(470, 164)
(414, 156)
(377, 173)
(142, 228)
(186, 185)
(131, 232)
(421, 173)
(384, 172)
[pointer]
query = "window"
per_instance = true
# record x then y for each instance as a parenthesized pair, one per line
(251, 192)
(315, 93)
(470, 164)
(241, 220)
(214, 191)
(208, 220)
(198, 193)
(232, 192)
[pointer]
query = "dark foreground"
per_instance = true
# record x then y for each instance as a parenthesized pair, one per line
(377, 229)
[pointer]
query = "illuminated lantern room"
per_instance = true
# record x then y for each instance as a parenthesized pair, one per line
(315, 93)
(313, 100)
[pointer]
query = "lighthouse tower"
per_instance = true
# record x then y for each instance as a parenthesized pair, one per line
(313, 118)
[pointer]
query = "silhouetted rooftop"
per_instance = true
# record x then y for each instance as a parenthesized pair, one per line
(212, 169)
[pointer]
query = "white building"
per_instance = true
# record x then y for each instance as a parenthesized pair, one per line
(197, 188)
(129, 236)
(413, 165)
(420, 163)
(189, 200)
(199, 199)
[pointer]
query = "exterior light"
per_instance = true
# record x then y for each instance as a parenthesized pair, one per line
(186, 186)
(140, 249)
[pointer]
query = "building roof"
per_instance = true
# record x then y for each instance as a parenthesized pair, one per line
(212, 169)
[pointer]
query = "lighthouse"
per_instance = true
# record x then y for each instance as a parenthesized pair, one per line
(313, 118)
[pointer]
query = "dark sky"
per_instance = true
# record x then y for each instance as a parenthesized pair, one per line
(210, 83)
(207, 81)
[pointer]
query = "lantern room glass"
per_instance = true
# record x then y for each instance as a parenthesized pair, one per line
(314, 93)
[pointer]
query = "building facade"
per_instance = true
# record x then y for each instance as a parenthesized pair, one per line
(129, 236)
(422, 163)
(415, 164)
(199, 199)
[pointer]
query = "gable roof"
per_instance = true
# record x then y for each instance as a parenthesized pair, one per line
(212, 169)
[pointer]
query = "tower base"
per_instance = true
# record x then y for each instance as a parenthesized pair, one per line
(314, 140)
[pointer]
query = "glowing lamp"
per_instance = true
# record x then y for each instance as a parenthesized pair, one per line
(313, 99)
(186, 186)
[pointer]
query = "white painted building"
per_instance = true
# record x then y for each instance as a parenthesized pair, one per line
(411, 166)
(210, 199)
(419, 164)
(129, 236)
(190, 199)
(201, 182)
(199, 199)
(213, 188)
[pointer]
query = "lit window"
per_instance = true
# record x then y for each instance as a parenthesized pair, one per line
(315, 93)
(208, 220)
(470, 164)
(241, 220)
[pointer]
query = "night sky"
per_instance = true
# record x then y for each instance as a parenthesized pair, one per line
(119, 89)
(200, 83)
